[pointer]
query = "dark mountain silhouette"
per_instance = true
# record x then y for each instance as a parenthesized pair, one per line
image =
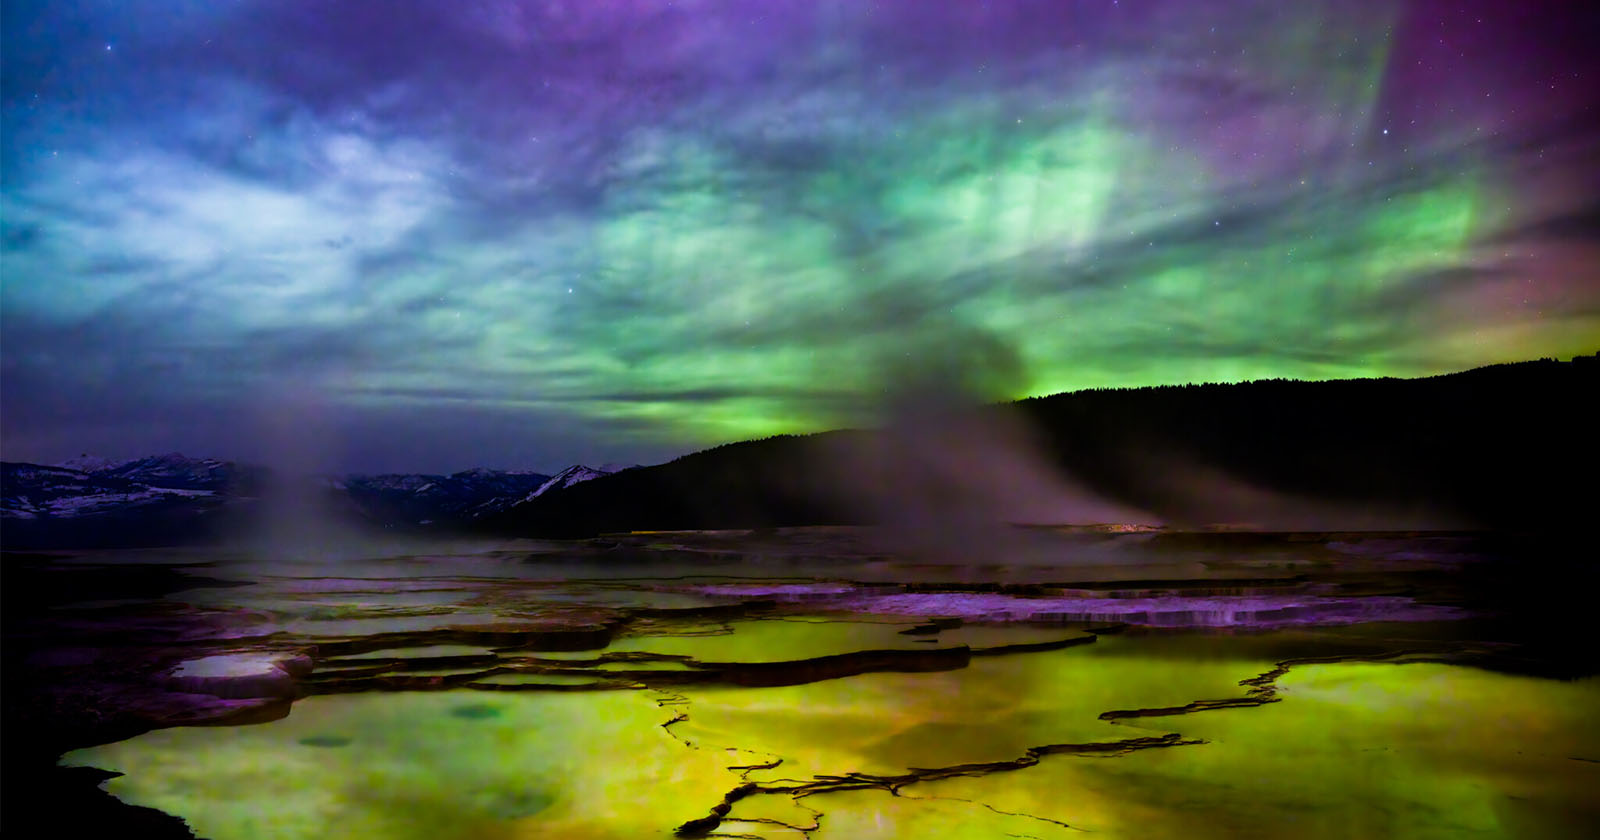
(1506, 446)
(769, 482)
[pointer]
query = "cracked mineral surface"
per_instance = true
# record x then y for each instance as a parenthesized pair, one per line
(738, 685)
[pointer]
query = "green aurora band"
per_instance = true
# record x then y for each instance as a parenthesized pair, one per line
(746, 219)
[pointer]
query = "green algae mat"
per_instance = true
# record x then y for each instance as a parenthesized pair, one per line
(1010, 746)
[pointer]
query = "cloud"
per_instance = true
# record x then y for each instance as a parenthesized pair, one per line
(674, 225)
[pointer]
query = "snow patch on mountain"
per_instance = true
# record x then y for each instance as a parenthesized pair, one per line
(425, 499)
(88, 463)
(175, 470)
(161, 484)
(574, 474)
(35, 491)
(404, 482)
(61, 507)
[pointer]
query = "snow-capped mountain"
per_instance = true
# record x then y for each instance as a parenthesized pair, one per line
(435, 500)
(175, 470)
(88, 463)
(573, 475)
(32, 491)
(566, 478)
(94, 501)
(57, 507)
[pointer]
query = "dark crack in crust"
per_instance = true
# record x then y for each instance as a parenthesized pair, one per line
(1260, 690)
(1263, 688)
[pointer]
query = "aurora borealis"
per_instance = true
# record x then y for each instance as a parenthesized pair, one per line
(530, 233)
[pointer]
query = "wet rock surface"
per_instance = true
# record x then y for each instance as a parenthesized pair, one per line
(719, 631)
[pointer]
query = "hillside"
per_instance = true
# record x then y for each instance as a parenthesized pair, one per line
(1507, 446)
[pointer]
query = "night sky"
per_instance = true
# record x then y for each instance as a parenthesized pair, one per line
(522, 233)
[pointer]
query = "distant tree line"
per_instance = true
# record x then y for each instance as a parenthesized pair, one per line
(1504, 446)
